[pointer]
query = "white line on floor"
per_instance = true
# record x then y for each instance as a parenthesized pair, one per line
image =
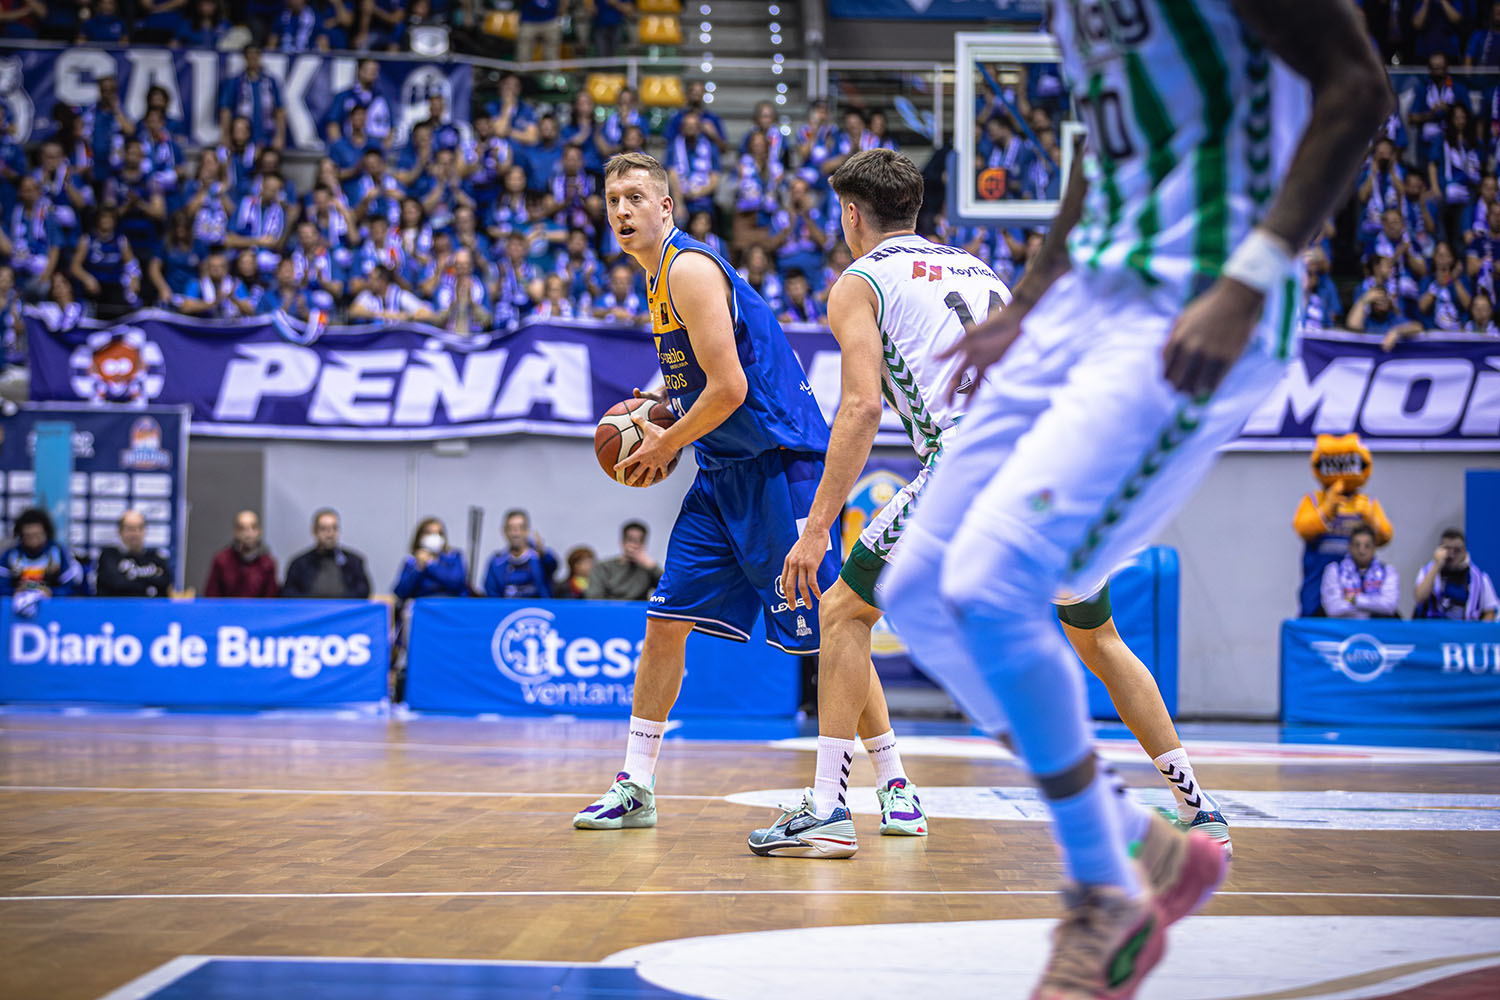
(325, 791)
(692, 892)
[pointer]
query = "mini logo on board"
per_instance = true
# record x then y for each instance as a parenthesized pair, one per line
(1361, 657)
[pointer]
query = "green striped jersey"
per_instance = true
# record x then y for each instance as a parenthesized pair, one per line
(928, 293)
(1192, 124)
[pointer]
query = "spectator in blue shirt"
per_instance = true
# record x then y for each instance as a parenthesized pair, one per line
(382, 25)
(541, 21)
(627, 112)
(35, 243)
(761, 277)
(203, 27)
(692, 164)
(38, 562)
(297, 29)
(1439, 26)
(800, 306)
(1433, 96)
(1321, 306)
(286, 295)
(1482, 316)
(254, 96)
(104, 26)
(1484, 45)
(799, 233)
(1483, 252)
(1445, 298)
(584, 132)
(1453, 171)
(106, 125)
(432, 569)
(105, 268)
(375, 126)
(178, 264)
(526, 568)
(318, 268)
(541, 159)
(512, 117)
(709, 124)
(609, 17)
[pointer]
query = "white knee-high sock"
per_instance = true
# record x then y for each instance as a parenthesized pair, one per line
(885, 757)
(831, 783)
(641, 750)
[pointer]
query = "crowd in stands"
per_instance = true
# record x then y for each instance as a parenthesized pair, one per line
(37, 564)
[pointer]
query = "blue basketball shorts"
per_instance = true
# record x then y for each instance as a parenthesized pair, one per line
(723, 564)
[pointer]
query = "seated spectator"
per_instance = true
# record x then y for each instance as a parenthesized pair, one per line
(133, 190)
(104, 25)
(68, 192)
(104, 266)
(245, 568)
(1482, 316)
(580, 566)
(297, 29)
(1453, 171)
(701, 228)
(1445, 298)
(800, 307)
(542, 157)
(444, 191)
(385, 301)
(432, 569)
(1417, 214)
(286, 295)
(130, 569)
(761, 279)
(14, 376)
(414, 235)
(710, 124)
(800, 232)
(162, 152)
(416, 156)
(518, 284)
(211, 293)
(527, 566)
(572, 196)
(1394, 306)
(512, 118)
(376, 192)
(1321, 306)
(757, 193)
(381, 248)
(1393, 241)
(62, 312)
(880, 135)
(1477, 219)
(1360, 585)
(38, 561)
(207, 202)
(1433, 98)
(461, 302)
(366, 96)
(261, 225)
(583, 131)
(327, 569)
(838, 258)
(556, 302)
(205, 27)
(161, 21)
(255, 97)
(317, 270)
(579, 266)
(512, 212)
(1380, 186)
(692, 163)
(621, 303)
(34, 242)
(249, 287)
(630, 576)
(627, 113)
(1451, 586)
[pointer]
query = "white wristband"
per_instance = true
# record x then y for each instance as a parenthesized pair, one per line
(1261, 262)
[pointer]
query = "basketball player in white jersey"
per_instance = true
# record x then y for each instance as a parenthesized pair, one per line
(898, 313)
(1221, 134)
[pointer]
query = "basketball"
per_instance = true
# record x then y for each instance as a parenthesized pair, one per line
(617, 437)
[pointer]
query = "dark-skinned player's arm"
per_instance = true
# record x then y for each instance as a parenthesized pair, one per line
(700, 294)
(853, 315)
(986, 342)
(1324, 42)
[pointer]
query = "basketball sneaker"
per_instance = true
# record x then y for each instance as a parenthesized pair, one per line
(1182, 870)
(1208, 823)
(1103, 946)
(625, 806)
(901, 812)
(799, 833)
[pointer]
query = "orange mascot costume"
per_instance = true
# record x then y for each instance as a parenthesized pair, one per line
(1324, 519)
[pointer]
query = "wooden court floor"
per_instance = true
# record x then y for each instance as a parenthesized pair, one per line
(127, 841)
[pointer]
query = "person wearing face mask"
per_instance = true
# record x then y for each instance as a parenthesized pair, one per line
(245, 568)
(432, 569)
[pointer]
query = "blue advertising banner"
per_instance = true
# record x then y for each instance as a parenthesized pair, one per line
(123, 459)
(1013, 11)
(1428, 394)
(577, 658)
(205, 653)
(34, 79)
(1390, 673)
(272, 377)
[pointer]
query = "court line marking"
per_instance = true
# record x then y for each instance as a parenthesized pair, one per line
(486, 893)
(323, 791)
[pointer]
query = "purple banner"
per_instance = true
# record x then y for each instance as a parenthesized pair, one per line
(257, 378)
(1426, 395)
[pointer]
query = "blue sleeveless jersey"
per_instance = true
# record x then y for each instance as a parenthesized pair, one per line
(779, 410)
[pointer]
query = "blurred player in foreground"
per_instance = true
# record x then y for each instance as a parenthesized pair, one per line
(1221, 134)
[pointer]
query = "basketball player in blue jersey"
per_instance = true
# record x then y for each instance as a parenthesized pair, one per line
(743, 402)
